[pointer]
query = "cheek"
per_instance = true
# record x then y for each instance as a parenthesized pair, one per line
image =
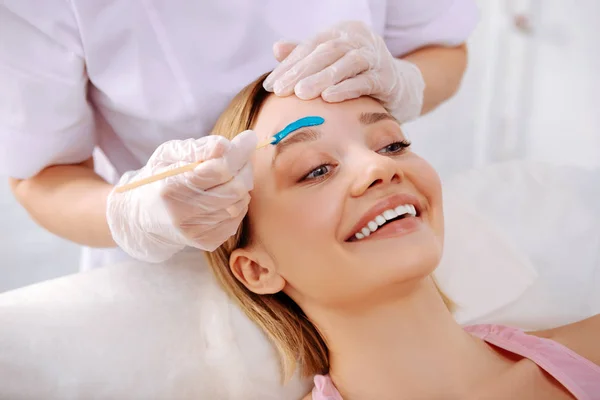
(302, 240)
(428, 183)
(290, 222)
(306, 220)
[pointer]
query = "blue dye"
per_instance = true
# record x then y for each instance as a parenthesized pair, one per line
(294, 126)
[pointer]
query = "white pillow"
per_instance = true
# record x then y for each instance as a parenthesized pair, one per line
(482, 270)
(530, 214)
(135, 331)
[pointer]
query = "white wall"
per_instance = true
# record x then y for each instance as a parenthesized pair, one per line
(528, 93)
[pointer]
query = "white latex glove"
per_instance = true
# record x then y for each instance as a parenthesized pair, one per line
(200, 208)
(347, 62)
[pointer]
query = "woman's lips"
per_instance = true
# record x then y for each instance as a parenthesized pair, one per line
(387, 204)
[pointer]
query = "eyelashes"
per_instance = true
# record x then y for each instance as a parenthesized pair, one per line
(312, 175)
(396, 147)
(321, 171)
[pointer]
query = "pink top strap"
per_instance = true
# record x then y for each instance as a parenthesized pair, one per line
(578, 375)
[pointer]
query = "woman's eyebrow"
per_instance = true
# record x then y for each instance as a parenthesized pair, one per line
(369, 118)
(308, 134)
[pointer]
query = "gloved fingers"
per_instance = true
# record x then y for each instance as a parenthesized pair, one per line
(223, 229)
(188, 151)
(225, 196)
(240, 185)
(215, 198)
(299, 53)
(216, 172)
(206, 175)
(355, 34)
(320, 58)
(282, 49)
(223, 212)
(360, 85)
(209, 147)
(130, 176)
(170, 152)
(209, 237)
(214, 241)
(189, 205)
(146, 222)
(241, 150)
(214, 147)
(351, 64)
(185, 201)
(239, 208)
(296, 55)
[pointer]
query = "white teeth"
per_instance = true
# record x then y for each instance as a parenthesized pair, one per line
(381, 219)
(389, 214)
(401, 210)
(406, 209)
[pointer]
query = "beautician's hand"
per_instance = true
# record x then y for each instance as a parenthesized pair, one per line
(347, 62)
(200, 208)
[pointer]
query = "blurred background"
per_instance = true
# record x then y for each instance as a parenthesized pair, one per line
(530, 92)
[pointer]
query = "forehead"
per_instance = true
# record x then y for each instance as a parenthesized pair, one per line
(278, 112)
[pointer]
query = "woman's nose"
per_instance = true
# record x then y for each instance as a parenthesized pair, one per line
(373, 171)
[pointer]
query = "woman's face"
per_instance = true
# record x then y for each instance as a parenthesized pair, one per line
(319, 200)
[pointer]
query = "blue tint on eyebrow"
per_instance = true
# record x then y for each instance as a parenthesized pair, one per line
(294, 126)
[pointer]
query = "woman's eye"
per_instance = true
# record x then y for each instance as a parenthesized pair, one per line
(395, 147)
(318, 172)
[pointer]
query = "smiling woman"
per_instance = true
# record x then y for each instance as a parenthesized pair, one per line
(334, 261)
(294, 172)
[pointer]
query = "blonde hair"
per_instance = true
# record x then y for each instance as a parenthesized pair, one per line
(297, 340)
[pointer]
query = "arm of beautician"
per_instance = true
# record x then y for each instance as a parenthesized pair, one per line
(69, 201)
(443, 69)
(201, 208)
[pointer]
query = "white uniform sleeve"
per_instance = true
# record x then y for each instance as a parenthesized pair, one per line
(45, 118)
(414, 24)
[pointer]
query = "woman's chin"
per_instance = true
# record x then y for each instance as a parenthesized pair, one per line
(405, 258)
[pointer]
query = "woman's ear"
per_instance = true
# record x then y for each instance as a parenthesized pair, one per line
(256, 271)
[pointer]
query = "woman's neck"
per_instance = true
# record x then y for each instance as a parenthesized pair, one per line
(410, 347)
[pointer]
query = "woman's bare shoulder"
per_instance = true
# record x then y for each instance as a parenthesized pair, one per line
(307, 397)
(581, 337)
